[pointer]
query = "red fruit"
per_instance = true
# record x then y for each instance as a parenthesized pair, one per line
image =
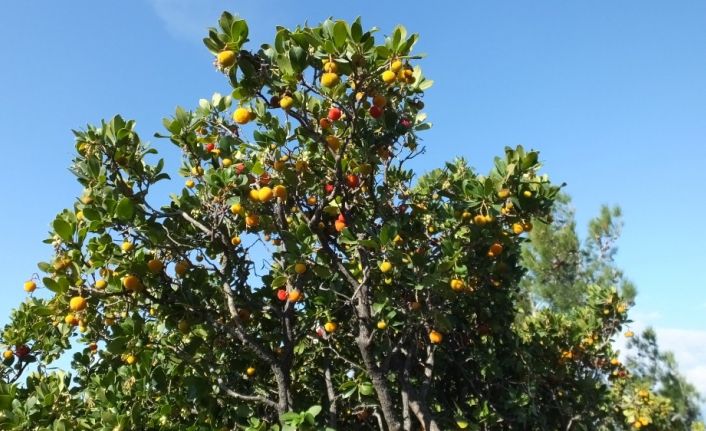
(334, 114)
(282, 295)
(320, 331)
(353, 181)
(405, 123)
(209, 147)
(340, 223)
(22, 351)
(375, 111)
(265, 179)
(328, 188)
(239, 168)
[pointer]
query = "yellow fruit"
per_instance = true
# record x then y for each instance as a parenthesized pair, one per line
(189, 184)
(132, 284)
(311, 200)
(78, 303)
(235, 240)
(398, 240)
(286, 102)
(183, 326)
(226, 58)
(280, 192)
(300, 165)
(333, 142)
(236, 209)
(181, 267)
(130, 359)
(252, 220)
(250, 371)
(621, 308)
(330, 67)
(127, 246)
(457, 284)
(241, 116)
(254, 195)
(504, 193)
(101, 284)
(527, 194)
(435, 337)
(388, 76)
(30, 286)
(300, 268)
(382, 324)
(7, 354)
(265, 194)
(479, 219)
(615, 361)
(385, 266)
(330, 326)
(329, 79)
(79, 215)
(70, 319)
(643, 393)
(294, 295)
(629, 334)
(396, 66)
(226, 162)
(279, 165)
(196, 171)
(517, 228)
(155, 266)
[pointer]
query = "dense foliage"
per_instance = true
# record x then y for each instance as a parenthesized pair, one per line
(303, 277)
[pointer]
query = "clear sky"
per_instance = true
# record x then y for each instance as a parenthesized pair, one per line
(612, 93)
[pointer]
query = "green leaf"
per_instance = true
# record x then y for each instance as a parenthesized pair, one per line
(279, 281)
(340, 34)
(125, 209)
(64, 229)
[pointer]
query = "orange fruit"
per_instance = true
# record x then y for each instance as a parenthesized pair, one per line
(294, 295)
(132, 284)
(435, 337)
(241, 116)
(329, 79)
(155, 266)
(226, 58)
(495, 249)
(181, 267)
(78, 303)
(457, 284)
(30, 286)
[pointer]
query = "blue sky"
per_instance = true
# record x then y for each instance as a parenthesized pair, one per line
(612, 93)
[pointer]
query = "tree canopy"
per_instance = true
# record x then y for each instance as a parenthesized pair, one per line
(303, 277)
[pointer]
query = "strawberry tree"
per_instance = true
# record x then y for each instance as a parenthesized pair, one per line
(303, 277)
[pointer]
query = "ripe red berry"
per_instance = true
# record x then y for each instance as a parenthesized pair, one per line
(341, 218)
(209, 147)
(334, 114)
(404, 122)
(239, 168)
(328, 188)
(282, 295)
(375, 111)
(22, 351)
(353, 181)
